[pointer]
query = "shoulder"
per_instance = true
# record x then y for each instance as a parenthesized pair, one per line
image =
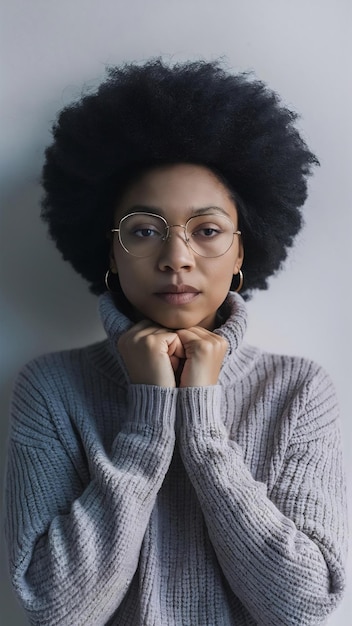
(290, 369)
(288, 377)
(48, 391)
(308, 377)
(307, 389)
(57, 369)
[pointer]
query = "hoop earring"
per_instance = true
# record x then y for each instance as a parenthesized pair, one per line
(240, 283)
(106, 280)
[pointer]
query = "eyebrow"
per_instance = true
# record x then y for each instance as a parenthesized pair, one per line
(140, 208)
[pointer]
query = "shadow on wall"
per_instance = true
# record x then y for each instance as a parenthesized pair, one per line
(44, 306)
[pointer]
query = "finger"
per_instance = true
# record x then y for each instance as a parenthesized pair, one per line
(199, 330)
(196, 334)
(175, 347)
(203, 345)
(143, 329)
(175, 362)
(195, 331)
(161, 341)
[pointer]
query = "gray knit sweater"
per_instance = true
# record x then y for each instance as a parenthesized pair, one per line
(205, 506)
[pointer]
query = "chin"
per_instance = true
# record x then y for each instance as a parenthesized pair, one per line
(182, 322)
(174, 321)
(176, 324)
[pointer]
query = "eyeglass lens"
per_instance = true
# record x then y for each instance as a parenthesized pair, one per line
(141, 234)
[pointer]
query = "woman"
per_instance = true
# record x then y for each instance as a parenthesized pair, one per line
(172, 474)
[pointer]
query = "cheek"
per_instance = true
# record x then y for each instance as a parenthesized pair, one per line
(222, 271)
(131, 275)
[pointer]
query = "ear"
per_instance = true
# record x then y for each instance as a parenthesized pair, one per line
(239, 258)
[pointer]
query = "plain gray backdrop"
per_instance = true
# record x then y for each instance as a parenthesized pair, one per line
(301, 48)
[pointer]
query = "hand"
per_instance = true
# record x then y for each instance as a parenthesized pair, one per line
(151, 354)
(204, 353)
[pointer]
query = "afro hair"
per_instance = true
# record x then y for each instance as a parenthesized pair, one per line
(152, 114)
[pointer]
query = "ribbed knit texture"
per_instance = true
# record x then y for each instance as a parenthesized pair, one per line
(138, 505)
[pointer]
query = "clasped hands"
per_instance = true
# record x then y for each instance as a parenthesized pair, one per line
(154, 355)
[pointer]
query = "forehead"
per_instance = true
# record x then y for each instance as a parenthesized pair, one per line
(177, 189)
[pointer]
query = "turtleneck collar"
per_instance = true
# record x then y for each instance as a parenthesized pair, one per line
(232, 317)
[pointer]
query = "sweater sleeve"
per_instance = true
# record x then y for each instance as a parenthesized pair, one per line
(282, 553)
(73, 549)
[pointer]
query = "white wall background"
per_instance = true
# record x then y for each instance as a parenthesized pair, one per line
(301, 48)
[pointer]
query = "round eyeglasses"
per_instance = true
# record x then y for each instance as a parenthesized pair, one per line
(208, 235)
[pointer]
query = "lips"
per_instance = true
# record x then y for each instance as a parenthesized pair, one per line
(177, 294)
(178, 289)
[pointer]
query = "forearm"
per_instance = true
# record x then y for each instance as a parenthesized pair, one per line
(74, 564)
(281, 574)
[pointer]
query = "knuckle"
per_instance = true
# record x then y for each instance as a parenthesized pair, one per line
(223, 342)
(149, 341)
(207, 347)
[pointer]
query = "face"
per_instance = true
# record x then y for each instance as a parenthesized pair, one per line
(175, 287)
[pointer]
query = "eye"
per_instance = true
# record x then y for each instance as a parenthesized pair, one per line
(206, 231)
(146, 232)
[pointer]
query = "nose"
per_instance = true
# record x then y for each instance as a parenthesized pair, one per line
(175, 253)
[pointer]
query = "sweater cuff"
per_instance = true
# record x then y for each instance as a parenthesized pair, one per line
(199, 410)
(151, 408)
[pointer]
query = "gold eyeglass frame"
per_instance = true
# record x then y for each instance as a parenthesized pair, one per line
(167, 235)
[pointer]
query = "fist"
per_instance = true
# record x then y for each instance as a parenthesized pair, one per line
(151, 354)
(204, 353)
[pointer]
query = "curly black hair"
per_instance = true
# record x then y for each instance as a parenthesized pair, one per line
(152, 114)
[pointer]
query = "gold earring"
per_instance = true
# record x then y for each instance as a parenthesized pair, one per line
(240, 285)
